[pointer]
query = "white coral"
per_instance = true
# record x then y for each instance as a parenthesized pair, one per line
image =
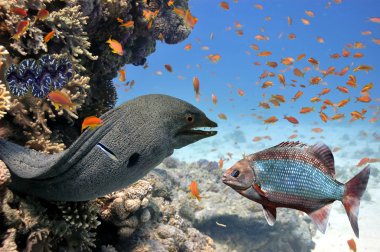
(5, 100)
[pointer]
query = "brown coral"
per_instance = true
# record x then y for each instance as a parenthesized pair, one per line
(5, 100)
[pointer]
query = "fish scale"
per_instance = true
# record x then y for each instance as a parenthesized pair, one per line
(296, 178)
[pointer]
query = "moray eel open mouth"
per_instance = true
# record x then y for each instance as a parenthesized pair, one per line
(197, 129)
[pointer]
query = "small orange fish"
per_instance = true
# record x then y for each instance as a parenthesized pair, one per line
(310, 13)
(214, 99)
(313, 61)
(264, 105)
(287, 61)
(352, 81)
(345, 53)
(305, 110)
(170, 2)
(222, 116)
(335, 56)
(19, 11)
(128, 24)
(259, 6)
(366, 32)
(115, 46)
(281, 78)
(320, 40)
(352, 245)
(293, 136)
(298, 72)
(214, 57)
(292, 36)
(264, 54)
(364, 68)
(342, 89)
(305, 21)
(42, 14)
(315, 80)
(49, 36)
(317, 130)
(196, 88)
(187, 47)
(301, 56)
(254, 47)
(22, 26)
(328, 102)
(376, 41)
(329, 70)
(240, 92)
(337, 116)
(323, 116)
(315, 99)
(271, 120)
(261, 37)
(297, 95)
(271, 64)
(61, 99)
(279, 98)
(291, 119)
(290, 21)
(343, 102)
(356, 115)
(363, 161)
(365, 99)
(267, 84)
(221, 163)
(324, 91)
(257, 139)
(344, 71)
(224, 5)
(375, 20)
(189, 19)
(168, 68)
(358, 55)
(92, 122)
(122, 75)
(367, 87)
(193, 187)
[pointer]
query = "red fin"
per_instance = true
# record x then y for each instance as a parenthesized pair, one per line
(320, 217)
(259, 190)
(270, 214)
(290, 144)
(352, 194)
(323, 153)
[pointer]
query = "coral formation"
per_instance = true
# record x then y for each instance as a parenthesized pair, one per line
(5, 100)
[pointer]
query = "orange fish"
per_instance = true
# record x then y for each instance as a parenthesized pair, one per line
(352, 245)
(281, 78)
(375, 20)
(356, 115)
(324, 91)
(329, 70)
(261, 37)
(343, 102)
(254, 47)
(267, 84)
(92, 122)
(292, 36)
(214, 99)
(240, 92)
(376, 41)
(22, 26)
(290, 21)
(115, 46)
(170, 2)
(344, 71)
(317, 130)
(363, 161)
(345, 53)
(298, 72)
(264, 105)
(19, 11)
(337, 116)
(320, 40)
(301, 56)
(128, 24)
(187, 47)
(61, 99)
(358, 55)
(49, 36)
(323, 116)
(366, 32)
(365, 99)
(293, 136)
(351, 81)
(315, 99)
(193, 187)
(297, 95)
(214, 57)
(271, 64)
(259, 6)
(291, 119)
(342, 89)
(305, 21)
(313, 61)
(224, 5)
(279, 98)
(271, 120)
(196, 88)
(364, 68)
(122, 75)
(335, 56)
(367, 87)
(328, 102)
(190, 20)
(310, 13)
(222, 116)
(168, 68)
(265, 53)
(257, 139)
(305, 110)
(287, 61)
(315, 80)
(42, 14)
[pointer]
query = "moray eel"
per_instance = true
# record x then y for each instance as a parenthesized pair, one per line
(134, 138)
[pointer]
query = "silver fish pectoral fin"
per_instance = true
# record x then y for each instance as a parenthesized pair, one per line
(270, 214)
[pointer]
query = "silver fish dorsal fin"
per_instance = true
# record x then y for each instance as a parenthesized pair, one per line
(323, 153)
(290, 144)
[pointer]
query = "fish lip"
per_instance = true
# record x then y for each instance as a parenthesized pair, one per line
(193, 131)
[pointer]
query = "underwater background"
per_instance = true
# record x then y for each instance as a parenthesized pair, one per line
(327, 53)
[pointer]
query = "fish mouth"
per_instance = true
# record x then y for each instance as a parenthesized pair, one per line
(198, 129)
(232, 182)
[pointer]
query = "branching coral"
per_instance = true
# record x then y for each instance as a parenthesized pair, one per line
(5, 100)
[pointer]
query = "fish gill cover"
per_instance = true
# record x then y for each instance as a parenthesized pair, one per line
(268, 70)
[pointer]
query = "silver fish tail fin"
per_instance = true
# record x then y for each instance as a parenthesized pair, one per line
(23, 162)
(352, 194)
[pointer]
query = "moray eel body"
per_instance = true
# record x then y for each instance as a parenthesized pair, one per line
(134, 138)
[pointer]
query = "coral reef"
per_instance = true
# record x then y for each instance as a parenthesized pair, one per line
(5, 100)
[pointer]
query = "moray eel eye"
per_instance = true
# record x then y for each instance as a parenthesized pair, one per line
(235, 173)
(189, 118)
